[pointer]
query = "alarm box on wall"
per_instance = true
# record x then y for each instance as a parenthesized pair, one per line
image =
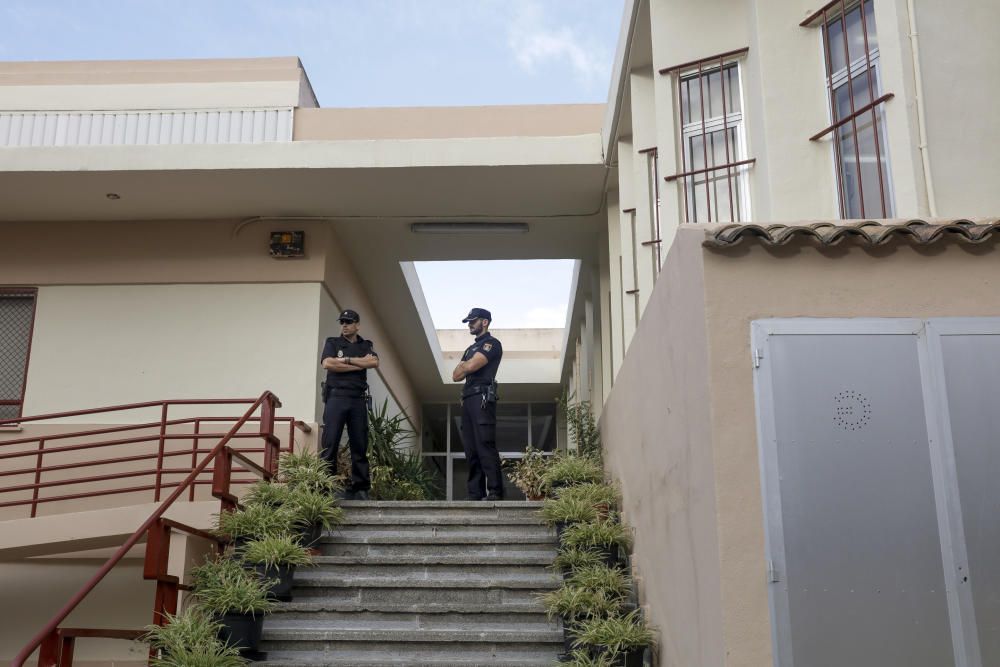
(288, 245)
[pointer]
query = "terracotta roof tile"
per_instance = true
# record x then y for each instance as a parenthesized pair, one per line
(868, 232)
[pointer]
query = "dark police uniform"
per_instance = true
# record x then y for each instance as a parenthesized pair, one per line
(479, 421)
(345, 398)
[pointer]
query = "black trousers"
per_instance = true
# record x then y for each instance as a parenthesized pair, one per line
(341, 411)
(479, 439)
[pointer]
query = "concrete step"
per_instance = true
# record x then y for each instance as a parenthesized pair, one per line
(440, 519)
(422, 547)
(306, 607)
(407, 572)
(357, 618)
(480, 656)
(325, 639)
(453, 577)
(464, 529)
(440, 510)
(538, 557)
(455, 593)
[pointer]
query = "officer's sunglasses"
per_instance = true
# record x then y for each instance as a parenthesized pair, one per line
(346, 321)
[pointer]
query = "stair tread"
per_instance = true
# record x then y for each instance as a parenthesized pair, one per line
(451, 538)
(334, 660)
(420, 635)
(509, 558)
(421, 608)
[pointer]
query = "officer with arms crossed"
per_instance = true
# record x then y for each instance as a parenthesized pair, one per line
(479, 407)
(347, 359)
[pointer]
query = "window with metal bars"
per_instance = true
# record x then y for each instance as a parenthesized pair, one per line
(713, 154)
(854, 87)
(17, 316)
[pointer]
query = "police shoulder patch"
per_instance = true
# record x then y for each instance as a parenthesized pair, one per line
(488, 346)
(340, 354)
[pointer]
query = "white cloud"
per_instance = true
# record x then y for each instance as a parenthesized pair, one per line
(534, 43)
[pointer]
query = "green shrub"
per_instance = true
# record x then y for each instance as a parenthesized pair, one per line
(406, 477)
(574, 559)
(600, 577)
(582, 658)
(386, 486)
(600, 495)
(574, 602)
(582, 427)
(266, 494)
(305, 469)
(223, 585)
(255, 521)
(309, 506)
(598, 535)
(616, 633)
(276, 550)
(567, 510)
(527, 472)
(569, 469)
(190, 639)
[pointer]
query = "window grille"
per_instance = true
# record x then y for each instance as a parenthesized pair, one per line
(653, 176)
(17, 316)
(714, 164)
(854, 87)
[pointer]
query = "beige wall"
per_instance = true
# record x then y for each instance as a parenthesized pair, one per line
(32, 592)
(448, 122)
(680, 423)
(657, 435)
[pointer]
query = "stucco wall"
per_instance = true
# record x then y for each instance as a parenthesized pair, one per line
(657, 434)
(31, 593)
(116, 344)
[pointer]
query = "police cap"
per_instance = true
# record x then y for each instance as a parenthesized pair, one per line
(477, 313)
(349, 316)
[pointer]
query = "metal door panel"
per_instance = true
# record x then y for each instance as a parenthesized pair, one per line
(854, 533)
(971, 365)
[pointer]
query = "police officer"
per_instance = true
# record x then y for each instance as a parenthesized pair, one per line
(347, 358)
(479, 407)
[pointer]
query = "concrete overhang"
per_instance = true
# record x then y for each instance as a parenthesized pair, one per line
(498, 177)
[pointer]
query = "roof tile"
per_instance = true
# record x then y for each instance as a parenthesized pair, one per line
(868, 232)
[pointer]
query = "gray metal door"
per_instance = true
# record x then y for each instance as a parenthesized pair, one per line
(853, 541)
(965, 356)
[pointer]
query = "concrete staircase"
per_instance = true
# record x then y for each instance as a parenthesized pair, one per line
(423, 584)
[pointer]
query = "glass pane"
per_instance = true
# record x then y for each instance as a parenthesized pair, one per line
(855, 35)
(459, 483)
(543, 426)
(438, 467)
(835, 46)
(870, 25)
(16, 313)
(435, 429)
(512, 427)
(733, 101)
(456, 428)
(718, 189)
(691, 100)
(713, 94)
(874, 176)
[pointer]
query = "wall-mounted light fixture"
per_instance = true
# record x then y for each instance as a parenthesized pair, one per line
(469, 227)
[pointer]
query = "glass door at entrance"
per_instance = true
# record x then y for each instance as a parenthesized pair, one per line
(518, 426)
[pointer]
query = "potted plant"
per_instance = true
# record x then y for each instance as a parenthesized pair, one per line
(313, 511)
(624, 638)
(187, 639)
(570, 469)
(563, 510)
(569, 560)
(602, 579)
(304, 469)
(252, 521)
(607, 536)
(234, 597)
(582, 657)
(602, 496)
(573, 603)
(268, 494)
(526, 473)
(275, 558)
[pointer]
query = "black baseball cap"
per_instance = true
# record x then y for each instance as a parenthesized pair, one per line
(477, 313)
(349, 316)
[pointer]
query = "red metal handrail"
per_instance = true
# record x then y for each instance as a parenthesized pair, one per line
(50, 635)
(145, 432)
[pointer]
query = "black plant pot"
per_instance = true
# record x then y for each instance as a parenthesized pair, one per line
(241, 630)
(560, 529)
(569, 639)
(281, 578)
(310, 535)
(612, 555)
(628, 657)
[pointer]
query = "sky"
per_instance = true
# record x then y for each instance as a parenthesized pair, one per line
(361, 53)
(534, 293)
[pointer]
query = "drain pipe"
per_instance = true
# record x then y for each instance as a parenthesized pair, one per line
(925, 158)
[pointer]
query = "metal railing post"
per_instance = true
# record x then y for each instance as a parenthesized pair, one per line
(159, 453)
(38, 477)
